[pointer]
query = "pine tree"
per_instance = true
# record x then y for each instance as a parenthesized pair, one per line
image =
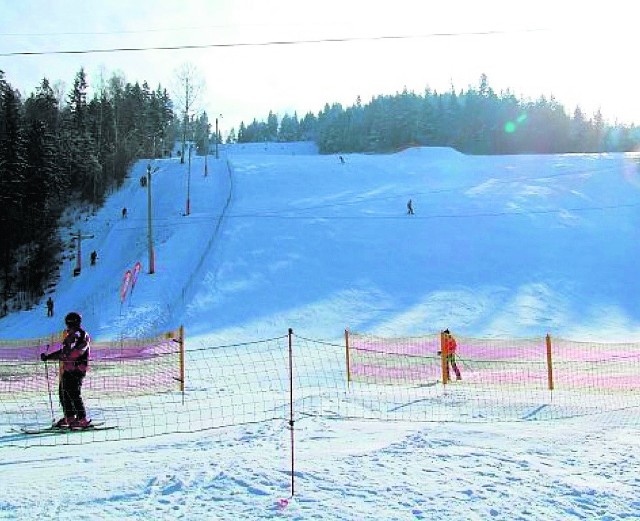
(42, 123)
(78, 102)
(12, 179)
(272, 127)
(289, 128)
(83, 166)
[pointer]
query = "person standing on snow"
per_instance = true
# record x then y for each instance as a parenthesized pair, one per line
(410, 207)
(49, 307)
(449, 346)
(74, 356)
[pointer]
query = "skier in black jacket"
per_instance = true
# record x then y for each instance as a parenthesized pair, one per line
(74, 356)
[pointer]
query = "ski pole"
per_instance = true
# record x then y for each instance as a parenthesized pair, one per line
(46, 372)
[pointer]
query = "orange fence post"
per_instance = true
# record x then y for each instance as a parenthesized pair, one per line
(549, 363)
(346, 343)
(182, 360)
(443, 359)
(291, 420)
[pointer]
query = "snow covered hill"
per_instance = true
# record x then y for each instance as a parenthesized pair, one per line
(279, 236)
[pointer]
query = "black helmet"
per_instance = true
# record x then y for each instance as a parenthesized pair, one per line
(73, 319)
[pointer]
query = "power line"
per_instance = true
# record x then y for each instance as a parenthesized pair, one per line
(358, 200)
(436, 216)
(293, 214)
(261, 44)
(287, 215)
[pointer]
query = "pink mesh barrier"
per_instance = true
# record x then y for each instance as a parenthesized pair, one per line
(125, 366)
(497, 362)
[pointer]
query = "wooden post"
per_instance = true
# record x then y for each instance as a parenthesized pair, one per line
(549, 363)
(346, 343)
(443, 359)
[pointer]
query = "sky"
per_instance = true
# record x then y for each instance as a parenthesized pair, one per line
(577, 52)
(279, 236)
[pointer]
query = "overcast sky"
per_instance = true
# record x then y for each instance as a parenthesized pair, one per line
(581, 54)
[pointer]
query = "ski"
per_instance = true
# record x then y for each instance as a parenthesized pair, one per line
(36, 432)
(51, 429)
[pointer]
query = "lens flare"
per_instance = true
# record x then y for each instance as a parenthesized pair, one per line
(511, 126)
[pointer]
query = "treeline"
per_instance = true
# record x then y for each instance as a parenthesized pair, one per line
(475, 121)
(59, 151)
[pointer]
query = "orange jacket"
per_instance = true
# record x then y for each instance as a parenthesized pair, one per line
(449, 347)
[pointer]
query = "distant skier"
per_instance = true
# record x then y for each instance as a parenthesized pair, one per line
(49, 307)
(449, 347)
(94, 257)
(410, 207)
(74, 356)
(124, 213)
(341, 160)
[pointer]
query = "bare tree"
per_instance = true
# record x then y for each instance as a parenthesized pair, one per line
(60, 92)
(189, 86)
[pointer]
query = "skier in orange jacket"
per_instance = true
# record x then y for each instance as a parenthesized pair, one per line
(449, 346)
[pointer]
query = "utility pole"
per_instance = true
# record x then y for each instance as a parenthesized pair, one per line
(188, 211)
(217, 138)
(152, 256)
(189, 184)
(78, 236)
(206, 150)
(186, 122)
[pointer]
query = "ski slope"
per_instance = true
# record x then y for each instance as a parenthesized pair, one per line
(279, 236)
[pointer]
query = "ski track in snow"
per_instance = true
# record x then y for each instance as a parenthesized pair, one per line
(407, 472)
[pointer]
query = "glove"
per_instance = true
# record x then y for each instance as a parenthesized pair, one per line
(43, 357)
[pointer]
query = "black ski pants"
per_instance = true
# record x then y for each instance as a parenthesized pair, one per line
(70, 390)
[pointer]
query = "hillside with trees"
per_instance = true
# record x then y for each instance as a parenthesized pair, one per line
(62, 150)
(475, 121)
